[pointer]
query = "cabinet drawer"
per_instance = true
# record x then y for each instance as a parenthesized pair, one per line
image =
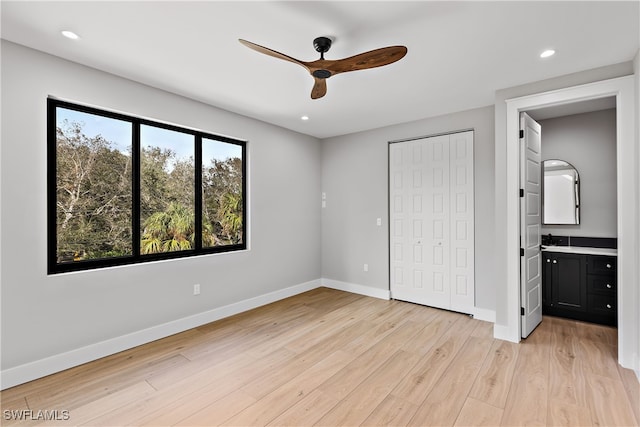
(601, 264)
(602, 284)
(602, 304)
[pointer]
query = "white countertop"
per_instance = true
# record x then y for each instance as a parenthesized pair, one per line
(580, 250)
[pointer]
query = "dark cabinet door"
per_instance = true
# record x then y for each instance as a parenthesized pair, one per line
(568, 282)
(569, 290)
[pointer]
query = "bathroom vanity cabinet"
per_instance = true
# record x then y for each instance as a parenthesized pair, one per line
(579, 286)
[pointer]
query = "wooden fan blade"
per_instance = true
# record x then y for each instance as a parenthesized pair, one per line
(271, 52)
(319, 88)
(372, 59)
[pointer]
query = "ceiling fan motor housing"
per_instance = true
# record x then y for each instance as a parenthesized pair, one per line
(322, 45)
(322, 74)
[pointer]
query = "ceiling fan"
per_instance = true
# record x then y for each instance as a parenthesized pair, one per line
(321, 69)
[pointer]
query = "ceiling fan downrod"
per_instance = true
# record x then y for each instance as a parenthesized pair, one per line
(322, 45)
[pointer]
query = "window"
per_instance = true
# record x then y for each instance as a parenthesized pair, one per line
(124, 190)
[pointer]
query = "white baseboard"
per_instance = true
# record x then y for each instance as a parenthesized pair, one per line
(484, 314)
(59, 362)
(505, 333)
(356, 289)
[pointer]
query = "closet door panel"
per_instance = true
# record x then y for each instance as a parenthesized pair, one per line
(462, 219)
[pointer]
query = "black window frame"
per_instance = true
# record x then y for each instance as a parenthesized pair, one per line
(53, 267)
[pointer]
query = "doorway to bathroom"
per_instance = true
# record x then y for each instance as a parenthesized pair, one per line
(627, 233)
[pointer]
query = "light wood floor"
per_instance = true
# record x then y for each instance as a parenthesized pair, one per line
(332, 358)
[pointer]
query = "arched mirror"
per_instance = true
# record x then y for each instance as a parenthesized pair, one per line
(561, 193)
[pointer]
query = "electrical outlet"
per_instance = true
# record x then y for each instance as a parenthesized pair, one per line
(379, 222)
(366, 267)
(196, 289)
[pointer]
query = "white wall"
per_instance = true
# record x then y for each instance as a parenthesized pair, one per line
(355, 179)
(636, 69)
(44, 316)
(588, 142)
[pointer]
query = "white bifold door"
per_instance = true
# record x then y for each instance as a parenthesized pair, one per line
(432, 221)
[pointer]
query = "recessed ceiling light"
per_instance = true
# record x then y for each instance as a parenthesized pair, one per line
(305, 118)
(547, 53)
(70, 35)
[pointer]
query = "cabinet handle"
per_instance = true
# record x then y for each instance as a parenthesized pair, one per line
(555, 261)
(608, 286)
(548, 260)
(608, 265)
(608, 305)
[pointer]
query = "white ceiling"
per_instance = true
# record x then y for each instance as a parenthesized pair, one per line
(459, 53)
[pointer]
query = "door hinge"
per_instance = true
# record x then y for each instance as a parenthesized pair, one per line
(522, 192)
(521, 251)
(521, 311)
(521, 133)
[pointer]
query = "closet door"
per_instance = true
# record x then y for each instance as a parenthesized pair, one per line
(462, 222)
(431, 226)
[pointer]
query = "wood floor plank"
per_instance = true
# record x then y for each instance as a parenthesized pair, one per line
(264, 410)
(111, 402)
(331, 323)
(566, 414)
(440, 321)
(74, 395)
(191, 394)
(344, 381)
(217, 412)
(445, 401)
(329, 357)
(418, 383)
(392, 411)
(594, 332)
(46, 390)
(567, 381)
(477, 413)
(527, 401)
(363, 400)
(227, 383)
(307, 411)
(608, 402)
(598, 358)
(494, 380)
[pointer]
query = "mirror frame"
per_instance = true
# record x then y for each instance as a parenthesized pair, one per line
(576, 189)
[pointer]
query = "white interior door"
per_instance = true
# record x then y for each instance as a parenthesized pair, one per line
(431, 226)
(530, 223)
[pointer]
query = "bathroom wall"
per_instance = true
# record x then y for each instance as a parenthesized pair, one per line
(588, 142)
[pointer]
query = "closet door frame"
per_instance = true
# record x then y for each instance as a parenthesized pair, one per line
(459, 221)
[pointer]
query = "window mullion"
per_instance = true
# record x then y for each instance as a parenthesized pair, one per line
(135, 164)
(198, 192)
